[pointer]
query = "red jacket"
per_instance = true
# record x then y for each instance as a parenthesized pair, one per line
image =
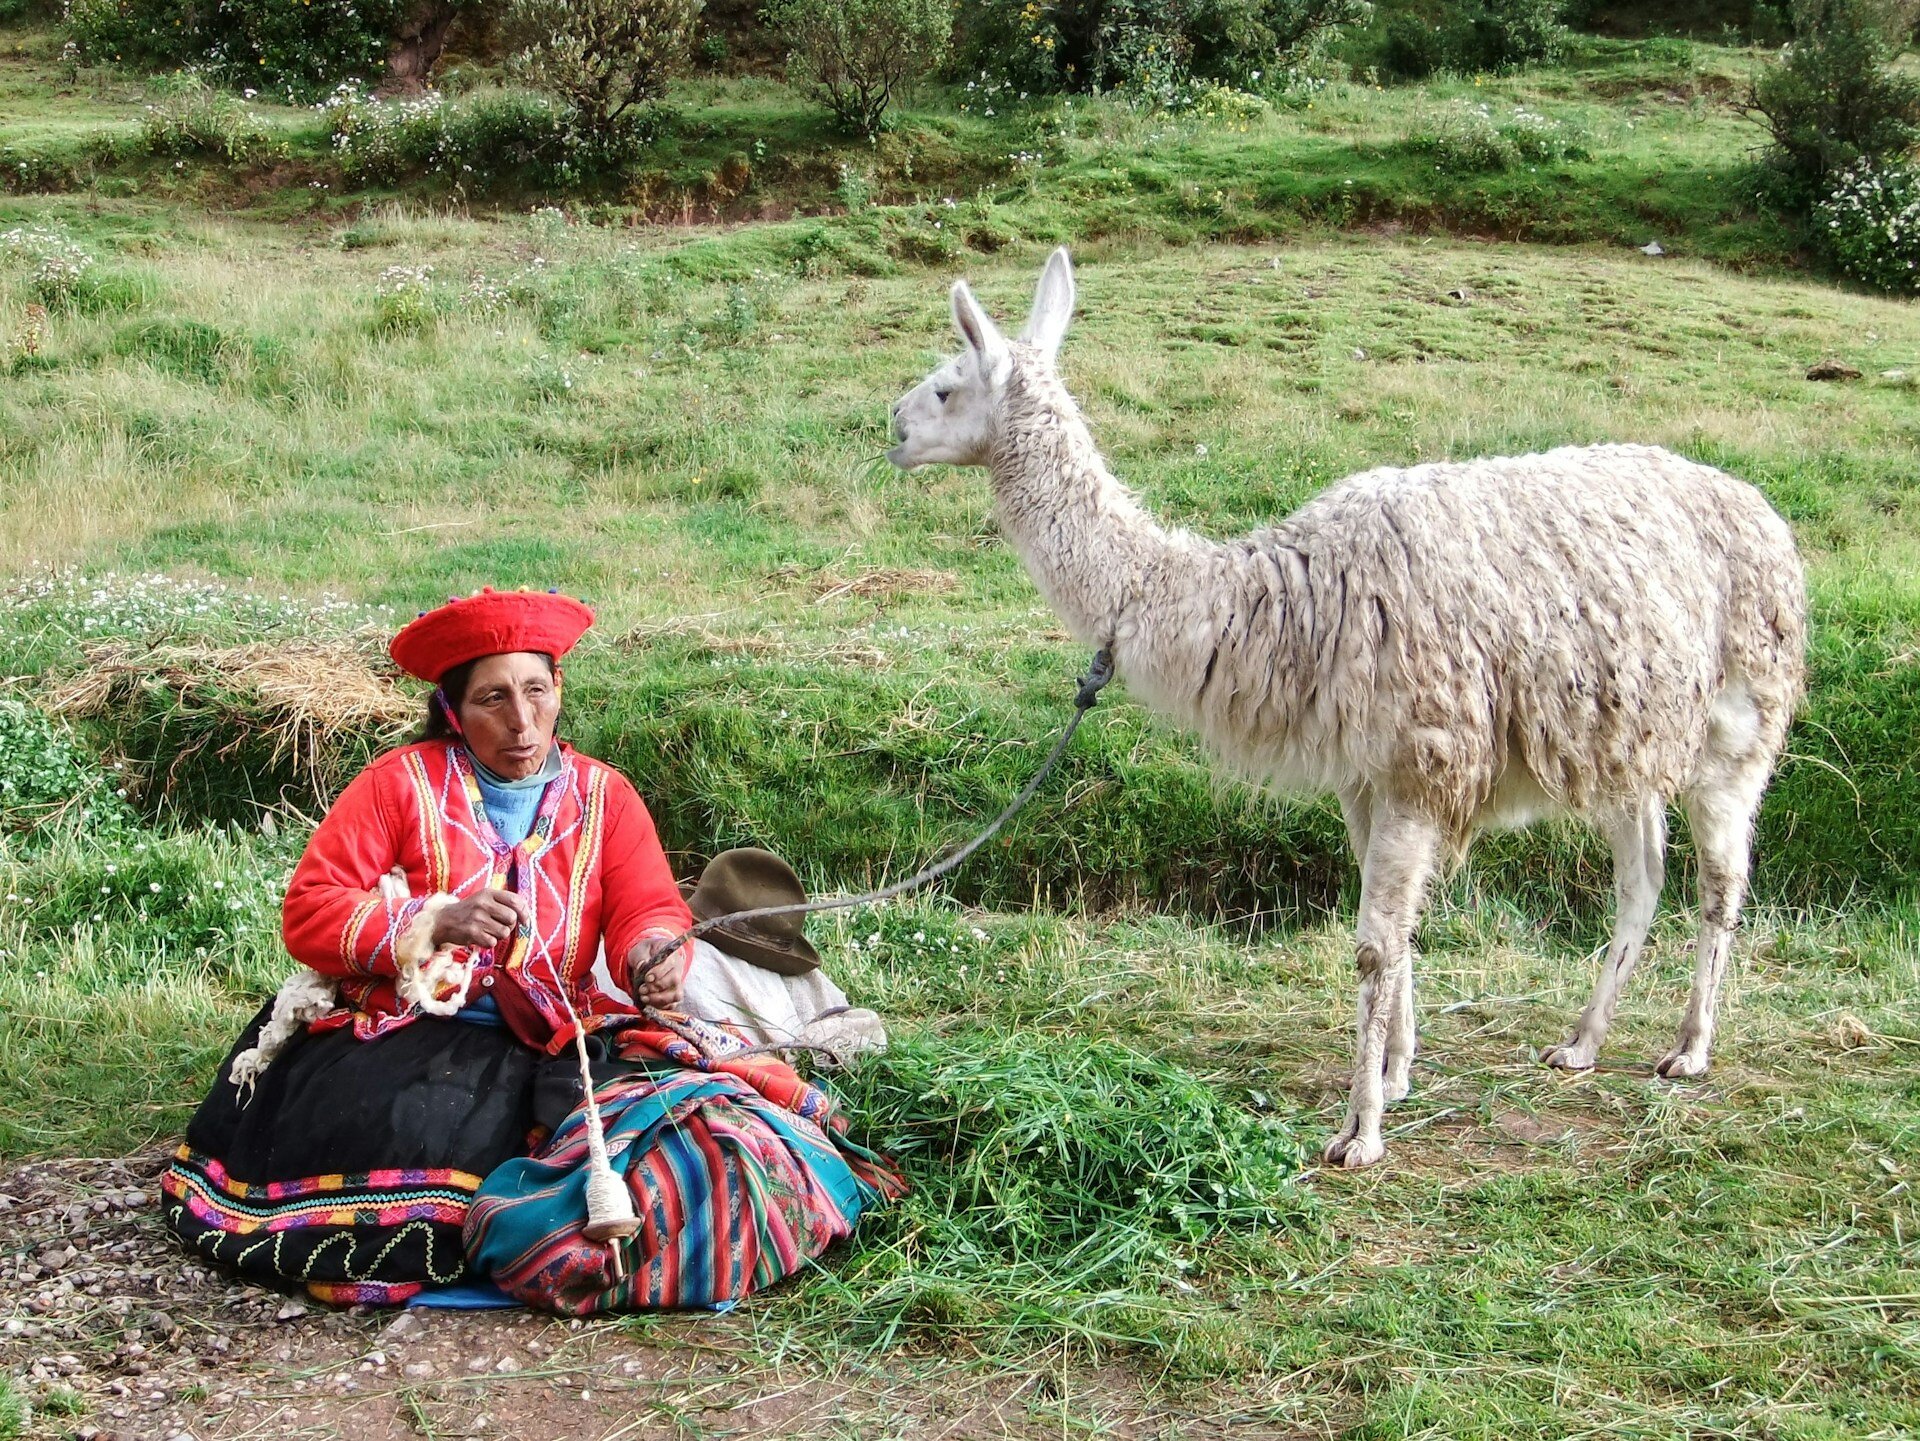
(597, 875)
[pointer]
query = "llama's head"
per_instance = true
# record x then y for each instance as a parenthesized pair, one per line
(948, 417)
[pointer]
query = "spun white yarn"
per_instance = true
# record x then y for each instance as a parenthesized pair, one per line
(306, 995)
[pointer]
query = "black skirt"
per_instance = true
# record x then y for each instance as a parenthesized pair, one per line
(350, 1167)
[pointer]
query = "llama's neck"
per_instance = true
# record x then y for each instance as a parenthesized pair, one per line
(1088, 544)
(1207, 632)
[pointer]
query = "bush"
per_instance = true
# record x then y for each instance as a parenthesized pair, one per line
(54, 264)
(384, 140)
(481, 140)
(1871, 224)
(1466, 138)
(602, 58)
(1497, 35)
(1834, 98)
(857, 55)
(192, 118)
(1481, 35)
(45, 777)
(1148, 46)
(297, 49)
(1412, 47)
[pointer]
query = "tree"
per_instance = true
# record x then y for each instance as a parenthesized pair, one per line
(417, 42)
(1835, 97)
(602, 57)
(857, 55)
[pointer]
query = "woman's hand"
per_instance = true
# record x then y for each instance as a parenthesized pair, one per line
(653, 972)
(479, 921)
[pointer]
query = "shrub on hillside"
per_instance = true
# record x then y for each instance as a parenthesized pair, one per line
(1835, 98)
(480, 140)
(1871, 224)
(193, 118)
(604, 59)
(294, 48)
(1479, 35)
(1497, 35)
(1144, 45)
(54, 265)
(385, 140)
(857, 56)
(1465, 138)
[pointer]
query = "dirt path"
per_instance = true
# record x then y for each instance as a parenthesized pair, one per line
(113, 1333)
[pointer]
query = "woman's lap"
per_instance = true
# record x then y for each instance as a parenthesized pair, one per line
(733, 1193)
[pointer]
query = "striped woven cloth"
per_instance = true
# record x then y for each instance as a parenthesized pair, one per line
(739, 1170)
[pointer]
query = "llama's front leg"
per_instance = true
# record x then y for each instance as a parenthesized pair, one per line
(1401, 850)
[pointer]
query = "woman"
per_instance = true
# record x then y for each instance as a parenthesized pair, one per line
(458, 894)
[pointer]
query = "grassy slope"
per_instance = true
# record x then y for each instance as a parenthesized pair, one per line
(1668, 158)
(1548, 1256)
(687, 430)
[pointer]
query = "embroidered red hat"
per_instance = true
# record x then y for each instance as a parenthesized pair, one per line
(488, 622)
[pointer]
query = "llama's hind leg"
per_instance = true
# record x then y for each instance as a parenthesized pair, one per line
(1721, 808)
(1639, 839)
(1401, 853)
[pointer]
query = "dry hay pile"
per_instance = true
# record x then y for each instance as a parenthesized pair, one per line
(310, 710)
(883, 583)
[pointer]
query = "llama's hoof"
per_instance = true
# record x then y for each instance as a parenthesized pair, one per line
(1396, 1087)
(1353, 1152)
(1571, 1057)
(1681, 1065)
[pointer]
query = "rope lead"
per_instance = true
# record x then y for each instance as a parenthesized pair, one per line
(1098, 674)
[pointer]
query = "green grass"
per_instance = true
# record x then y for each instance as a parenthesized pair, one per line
(235, 433)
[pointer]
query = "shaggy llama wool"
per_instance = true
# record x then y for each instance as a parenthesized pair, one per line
(1446, 648)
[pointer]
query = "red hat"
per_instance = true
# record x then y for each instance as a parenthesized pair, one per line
(488, 622)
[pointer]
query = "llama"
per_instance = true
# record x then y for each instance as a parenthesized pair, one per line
(1597, 632)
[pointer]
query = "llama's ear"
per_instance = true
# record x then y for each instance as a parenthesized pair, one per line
(1052, 304)
(982, 336)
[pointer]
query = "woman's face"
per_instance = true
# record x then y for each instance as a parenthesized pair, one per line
(509, 711)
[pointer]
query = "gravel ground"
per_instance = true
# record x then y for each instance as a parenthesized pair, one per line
(112, 1333)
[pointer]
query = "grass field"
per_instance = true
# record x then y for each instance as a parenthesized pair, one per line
(284, 422)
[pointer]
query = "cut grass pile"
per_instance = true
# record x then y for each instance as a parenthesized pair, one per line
(1060, 1184)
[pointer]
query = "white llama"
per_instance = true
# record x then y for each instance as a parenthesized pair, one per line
(1445, 648)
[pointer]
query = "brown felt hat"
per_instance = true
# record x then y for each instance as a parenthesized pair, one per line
(744, 880)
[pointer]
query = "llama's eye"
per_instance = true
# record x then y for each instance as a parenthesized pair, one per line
(941, 395)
